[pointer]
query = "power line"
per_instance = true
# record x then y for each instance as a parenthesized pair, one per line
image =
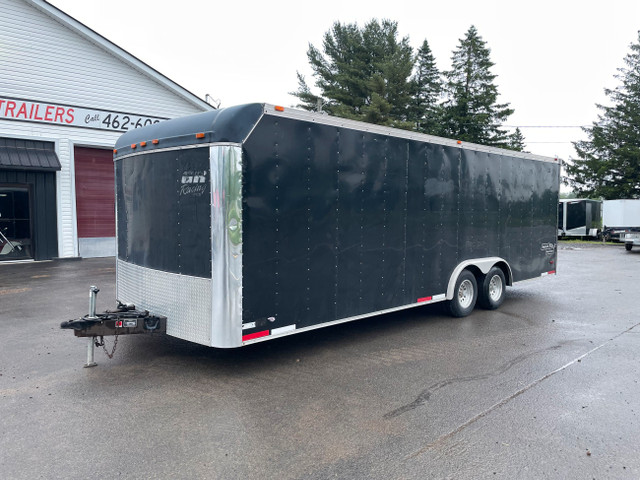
(546, 126)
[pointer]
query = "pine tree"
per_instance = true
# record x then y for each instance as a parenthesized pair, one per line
(425, 109)
(361, 73)
(516, 141)
(608, 163)
(471, 112)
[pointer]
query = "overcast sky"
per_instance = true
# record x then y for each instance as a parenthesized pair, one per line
(553, 58)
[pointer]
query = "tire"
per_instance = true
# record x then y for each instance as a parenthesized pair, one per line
(628, 246)
(493, 289)
(465, 295)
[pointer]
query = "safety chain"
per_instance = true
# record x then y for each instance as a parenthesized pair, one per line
(100, 343)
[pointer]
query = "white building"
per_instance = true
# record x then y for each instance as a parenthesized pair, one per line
(66, 94)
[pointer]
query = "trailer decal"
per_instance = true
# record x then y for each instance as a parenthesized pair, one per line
(251, 336)
(281, 330)
(432, 298)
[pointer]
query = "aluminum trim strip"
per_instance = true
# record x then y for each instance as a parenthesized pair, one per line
(168, 149)
(325, 119)
(435, 299)
(226, 245)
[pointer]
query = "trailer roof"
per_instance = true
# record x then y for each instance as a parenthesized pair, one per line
(234, 124)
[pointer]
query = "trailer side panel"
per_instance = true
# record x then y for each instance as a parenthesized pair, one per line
(339, 222)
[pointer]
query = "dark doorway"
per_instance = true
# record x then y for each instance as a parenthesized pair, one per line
(15, 223)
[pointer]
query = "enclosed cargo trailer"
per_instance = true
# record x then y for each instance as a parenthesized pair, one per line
(252, 222)
(579, 217)
(620, 217)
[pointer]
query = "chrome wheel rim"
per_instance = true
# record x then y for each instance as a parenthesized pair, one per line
(495, 288)
(465, 294)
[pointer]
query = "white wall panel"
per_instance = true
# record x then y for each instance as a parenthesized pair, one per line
(47, 57)
(44, 59)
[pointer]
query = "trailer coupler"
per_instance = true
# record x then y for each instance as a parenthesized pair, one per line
(124, 320)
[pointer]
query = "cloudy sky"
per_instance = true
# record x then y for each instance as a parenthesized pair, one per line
(553, 58)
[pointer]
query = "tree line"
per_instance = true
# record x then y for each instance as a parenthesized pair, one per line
(608, 163)
(371, 74)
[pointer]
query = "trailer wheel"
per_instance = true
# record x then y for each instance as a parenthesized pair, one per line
(465, 295)
(492, 291)
(628, 246)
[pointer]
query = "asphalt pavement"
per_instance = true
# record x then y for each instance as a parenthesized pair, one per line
(545, 387)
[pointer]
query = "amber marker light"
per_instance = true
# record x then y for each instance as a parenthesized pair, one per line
(155, 141)
(115, 151)
(133, 146)
(199, 135)
(143, 144)
(459, 142)
(278, 108)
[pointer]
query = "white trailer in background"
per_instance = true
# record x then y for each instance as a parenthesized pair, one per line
(621, 217)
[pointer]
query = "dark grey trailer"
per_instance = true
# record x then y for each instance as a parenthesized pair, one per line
(252, 222)
(579, 217)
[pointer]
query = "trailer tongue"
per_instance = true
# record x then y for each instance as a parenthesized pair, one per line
(124, 320)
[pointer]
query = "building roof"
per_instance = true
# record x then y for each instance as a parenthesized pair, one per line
(118, 52)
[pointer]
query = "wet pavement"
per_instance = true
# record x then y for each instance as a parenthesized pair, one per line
(545, 387)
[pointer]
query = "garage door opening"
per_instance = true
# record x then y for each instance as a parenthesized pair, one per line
(95, 202)
(15, 223)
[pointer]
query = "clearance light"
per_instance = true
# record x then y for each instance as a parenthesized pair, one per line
(133, 146)
(278, 108)
(459, 142)
(199, 135)
(143, 144)
(155, 141)
(115, 151)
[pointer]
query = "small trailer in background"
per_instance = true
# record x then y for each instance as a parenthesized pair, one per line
(254, 222)
(619, 218)
(579, 217)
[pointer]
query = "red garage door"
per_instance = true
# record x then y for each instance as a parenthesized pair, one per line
(95, 199)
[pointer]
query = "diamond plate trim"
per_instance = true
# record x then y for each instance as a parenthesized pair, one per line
(184, 300)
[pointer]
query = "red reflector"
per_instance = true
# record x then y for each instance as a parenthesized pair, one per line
(251, 336)
(118, 323)
(552, 272)
(424, 299)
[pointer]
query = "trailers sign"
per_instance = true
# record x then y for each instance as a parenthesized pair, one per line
(39, 112)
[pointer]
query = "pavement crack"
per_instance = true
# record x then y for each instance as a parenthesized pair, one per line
(424, 396)
(516, 394)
